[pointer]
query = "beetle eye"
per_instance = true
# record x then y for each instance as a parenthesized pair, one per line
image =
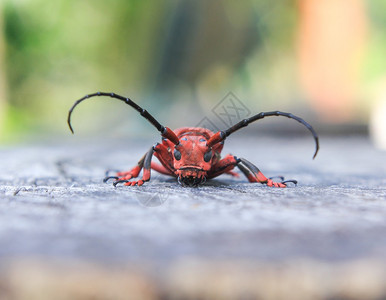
(184, 139)
(208, 156)
(202, 140)
(177, 154)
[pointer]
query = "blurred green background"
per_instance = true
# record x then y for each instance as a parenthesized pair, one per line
(323, 60)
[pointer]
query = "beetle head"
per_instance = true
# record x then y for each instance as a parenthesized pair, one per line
(192, 159)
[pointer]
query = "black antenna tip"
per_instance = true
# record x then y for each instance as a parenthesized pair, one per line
(69, 124)
(72, 130)
(317, 149)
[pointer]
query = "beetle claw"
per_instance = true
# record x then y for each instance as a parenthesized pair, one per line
(133, 183)
(110, 177)
(295, 182)
(119, 181)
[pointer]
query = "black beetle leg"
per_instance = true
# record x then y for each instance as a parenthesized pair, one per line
(119, 181)
(110, 177)
(295, 182)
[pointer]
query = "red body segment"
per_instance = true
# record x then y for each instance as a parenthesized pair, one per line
(190, 165)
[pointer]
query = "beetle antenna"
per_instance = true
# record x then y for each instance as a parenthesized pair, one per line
(222, 135)
(165, 131)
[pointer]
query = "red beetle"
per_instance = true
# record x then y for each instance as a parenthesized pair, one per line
(193, 154)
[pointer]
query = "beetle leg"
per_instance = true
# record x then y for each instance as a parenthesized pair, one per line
(250, 171)
(233, 173)
(166, 159)
(277, 176)
(120, 176)
(225, 165)
(254, 174)
(119, 181)
(161, 169)
(134, 172)
(107, 178)
(146, 169)
(146, 164)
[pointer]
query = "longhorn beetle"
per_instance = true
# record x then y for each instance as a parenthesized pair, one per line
(192, 154)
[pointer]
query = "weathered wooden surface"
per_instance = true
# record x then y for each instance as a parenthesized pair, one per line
(224, 240)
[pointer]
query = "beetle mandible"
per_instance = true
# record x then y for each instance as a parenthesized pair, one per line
(193, 154)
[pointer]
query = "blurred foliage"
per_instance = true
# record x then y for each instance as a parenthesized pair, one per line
(176, 58)
(56, 48)
(375, 64)
(57, 51)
